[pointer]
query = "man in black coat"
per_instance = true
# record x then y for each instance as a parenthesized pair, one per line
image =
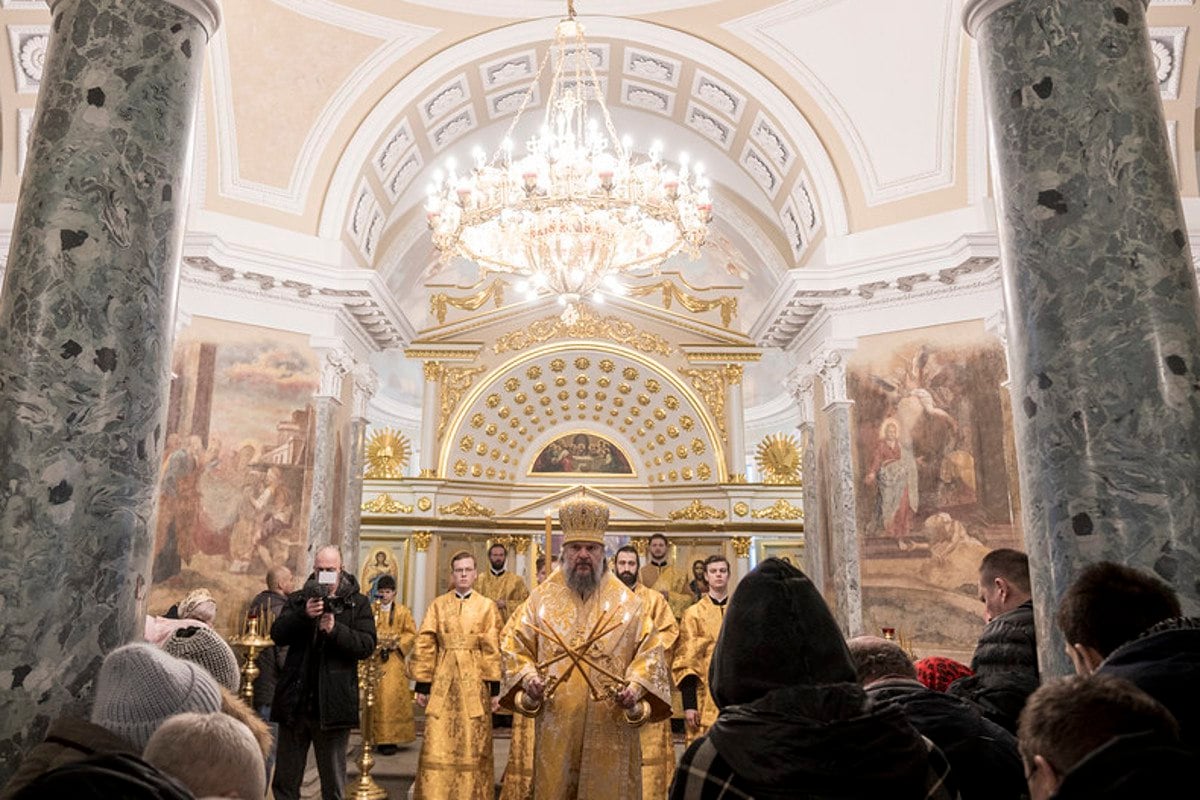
(328, 627)
(984, 760)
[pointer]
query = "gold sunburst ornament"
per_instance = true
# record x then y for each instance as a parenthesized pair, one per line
(388, 453)
(778, 459)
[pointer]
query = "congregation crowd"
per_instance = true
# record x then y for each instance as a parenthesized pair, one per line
(596, 659)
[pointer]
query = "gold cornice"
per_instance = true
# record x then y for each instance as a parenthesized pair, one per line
(589, 325)
(436, 354)
(384, 504)
(723, 356)
(466, 508)
(781, 510)
(697, 511)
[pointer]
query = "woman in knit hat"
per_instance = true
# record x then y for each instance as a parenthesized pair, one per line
(204, 646)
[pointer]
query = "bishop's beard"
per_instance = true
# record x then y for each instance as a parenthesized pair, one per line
(585, 583)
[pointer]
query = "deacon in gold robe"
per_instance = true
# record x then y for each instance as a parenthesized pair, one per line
(665, 578)
(585, 657)
(658, 748)
(395, 634)
(456, 664)
(517, 782)
(506, 589)
(698, 632)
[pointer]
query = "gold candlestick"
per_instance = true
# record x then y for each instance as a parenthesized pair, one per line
(255, 642)
(365, 787)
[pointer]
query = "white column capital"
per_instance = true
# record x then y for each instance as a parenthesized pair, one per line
(802, 385)
(830, 365)
(366, 384)
(206, 12)
(335, 363)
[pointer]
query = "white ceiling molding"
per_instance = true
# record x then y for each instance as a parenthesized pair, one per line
(525, 9)
(640, 35)
(865, 113)
(446, 98)
(711, 125)
(1166, 46)
(27, 46)
(398, 143)
(644, 65)
(399, 39)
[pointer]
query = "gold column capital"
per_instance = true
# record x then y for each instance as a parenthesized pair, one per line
(741, 546)
(422, 540)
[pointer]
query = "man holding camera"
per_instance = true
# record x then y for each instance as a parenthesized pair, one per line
(328, 627)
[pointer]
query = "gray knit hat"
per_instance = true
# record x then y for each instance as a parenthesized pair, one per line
(205, 647)
(140, 686)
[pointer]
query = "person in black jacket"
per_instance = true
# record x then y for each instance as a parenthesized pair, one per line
(984, 760)
(1005, 663)
(328, 627)
(1122, 621)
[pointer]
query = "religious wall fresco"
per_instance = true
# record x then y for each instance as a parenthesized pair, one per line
(234, 485)
(582, 453)
(934, 478)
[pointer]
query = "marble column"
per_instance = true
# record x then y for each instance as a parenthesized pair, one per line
(366, 383)
(843, 503)
(335, 364)
(1104, 338)
(735, 423)
(429, 419)
(85, 345)
(803, 388)
(419, 601)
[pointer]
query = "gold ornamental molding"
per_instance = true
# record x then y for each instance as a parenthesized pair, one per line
(424, 504)
(440, 302)
(521, 544)
(384, 504)
(466, 508)
(422, 540)
(778, 458)
(781, 510)
(387, 454)
(696, 305)
(732, 356)
(710, 384)
(456, 381)
(697, 511)
(741, 546)
(588, 326)
(741, 509)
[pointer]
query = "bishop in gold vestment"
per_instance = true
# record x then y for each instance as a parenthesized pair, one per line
(586, 747)
(665, 578)
(698, 632)
(455, 662)
(395, 633)
(506, 589)
(658, 748)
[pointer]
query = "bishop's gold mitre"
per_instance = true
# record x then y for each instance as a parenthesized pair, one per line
(583, 520)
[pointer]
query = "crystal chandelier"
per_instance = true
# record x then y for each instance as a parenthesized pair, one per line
(578, 215)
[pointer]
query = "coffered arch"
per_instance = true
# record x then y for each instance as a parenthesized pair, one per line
(625, 396)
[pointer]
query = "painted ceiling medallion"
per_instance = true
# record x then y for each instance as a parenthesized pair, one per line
(778, 458)
(577, 216)
(388, 453)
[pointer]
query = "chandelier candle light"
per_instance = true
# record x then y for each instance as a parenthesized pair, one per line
(578, 215)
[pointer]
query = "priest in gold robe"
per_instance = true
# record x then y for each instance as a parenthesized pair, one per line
(505, 588)
(456, 665)
(658, 748)
(586, 658)
(665, 578)
(517, 781)
(395, 632)
(698, 632)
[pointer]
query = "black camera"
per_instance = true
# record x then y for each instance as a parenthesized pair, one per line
(332, 603)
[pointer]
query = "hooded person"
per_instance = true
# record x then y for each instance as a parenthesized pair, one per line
(794, 721)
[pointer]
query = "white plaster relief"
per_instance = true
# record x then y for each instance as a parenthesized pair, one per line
(760, 169)
(506, 102)
(508, 69)
(398, 142)
(404, 175)
(709, 125)
(789, 217)
(652, 66)
(453, 128)
(1166, 46)
(374, 231)
(28, 49)
(802, 195)
(724, 99)
(651, 99)
(596, 57)
(590, 91)
(773, 143)
(448, 97)
(362, 210)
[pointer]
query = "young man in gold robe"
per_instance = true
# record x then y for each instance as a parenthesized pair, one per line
(504, 588)
(395, 632)
(665, 578)
(456, 664)
(698, 632)
(585, 657)
(658, 748)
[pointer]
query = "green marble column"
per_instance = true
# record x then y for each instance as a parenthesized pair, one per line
(85, 338)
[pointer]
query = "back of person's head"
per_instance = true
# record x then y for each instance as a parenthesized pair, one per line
(140, 686)
(1109, 604)
(1067, 718)
(211, 754)
(235, 706)
(938, 672)
(105, 777)
(778, 632)
(876, 659)
(1004, 562)
(199, 604)
(205, 647)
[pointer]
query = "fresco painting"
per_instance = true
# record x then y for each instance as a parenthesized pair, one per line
(581, 453)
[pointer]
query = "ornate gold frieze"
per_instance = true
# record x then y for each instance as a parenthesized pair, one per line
(778, 459)
(466, 508)
(741, 509)
(439, 302)
(422, 540)
(433, 370)
(781, 510)
(732, 373)
(697, 510)
(710, 383)
(741, 546)
(588, 326)
(696, 305)
(384, 504)
(731, 356)
(456, 381)
(388, 452)
(424, 504)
